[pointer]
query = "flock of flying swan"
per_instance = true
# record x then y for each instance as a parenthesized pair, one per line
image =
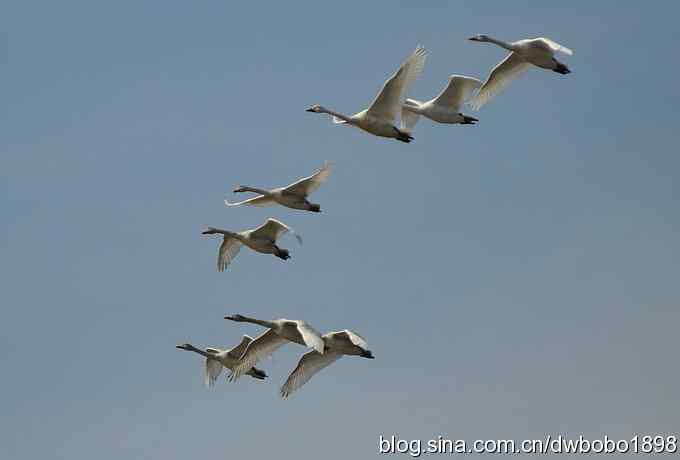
(378, 119)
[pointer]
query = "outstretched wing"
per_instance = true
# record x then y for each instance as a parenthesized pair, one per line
(272, 229)
(311, 336)
(309, 364)
(238, 350)
(213, 368)
(228, 250)
(388, 102)
(258, 349)
(255, 201)
(310, 184)
(556, 47)
(408, 120)
(456, 91)
(507, 70)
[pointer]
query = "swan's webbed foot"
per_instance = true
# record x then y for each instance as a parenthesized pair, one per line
(315, 208)
(561, 69)
(282, 254)
(403, 136)
(467, 120)
(258, 374)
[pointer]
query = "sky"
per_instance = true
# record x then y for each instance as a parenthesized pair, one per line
(514, 279)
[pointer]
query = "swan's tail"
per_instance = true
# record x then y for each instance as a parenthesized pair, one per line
(338, 121)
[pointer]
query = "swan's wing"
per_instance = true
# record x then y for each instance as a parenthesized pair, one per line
(507, 70)
(238, 350)
(456, 91)
(258, 349)
(310, 184)
(556, 47)
(272, 229)
(309, 364)
(311, 336)
(213, 368)
(408, 120)
(228, 250)
(261, 200)
(388, 102)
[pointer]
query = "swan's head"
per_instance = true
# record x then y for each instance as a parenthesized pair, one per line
(316, 109)
(479, 38)
(239, 318)
(185, 346)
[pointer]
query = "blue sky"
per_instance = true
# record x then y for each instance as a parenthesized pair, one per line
(514, 278)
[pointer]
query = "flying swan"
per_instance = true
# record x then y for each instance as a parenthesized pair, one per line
(216, 359)
(379, 117)
(523, 54)
(337, 344)
(445, 108)
(279, 333)
(292, 196)
(261, 239)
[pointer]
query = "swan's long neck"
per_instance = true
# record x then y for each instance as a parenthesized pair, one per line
(501, 43)
(212, 231)
(263, 323)
(197, 350)
(338, 115)
(256, 190)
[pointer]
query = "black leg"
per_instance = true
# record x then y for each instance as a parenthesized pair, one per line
(402, 136)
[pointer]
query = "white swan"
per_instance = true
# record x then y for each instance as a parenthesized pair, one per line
(523, 54)
(292, 196)
(216, 358)
(281, 331)
(261, 239)
(445, 108)
(337, 344)
(379, 117)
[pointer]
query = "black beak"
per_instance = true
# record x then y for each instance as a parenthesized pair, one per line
(309, 110)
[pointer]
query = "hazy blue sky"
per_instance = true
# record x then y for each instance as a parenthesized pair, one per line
(515, 278)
